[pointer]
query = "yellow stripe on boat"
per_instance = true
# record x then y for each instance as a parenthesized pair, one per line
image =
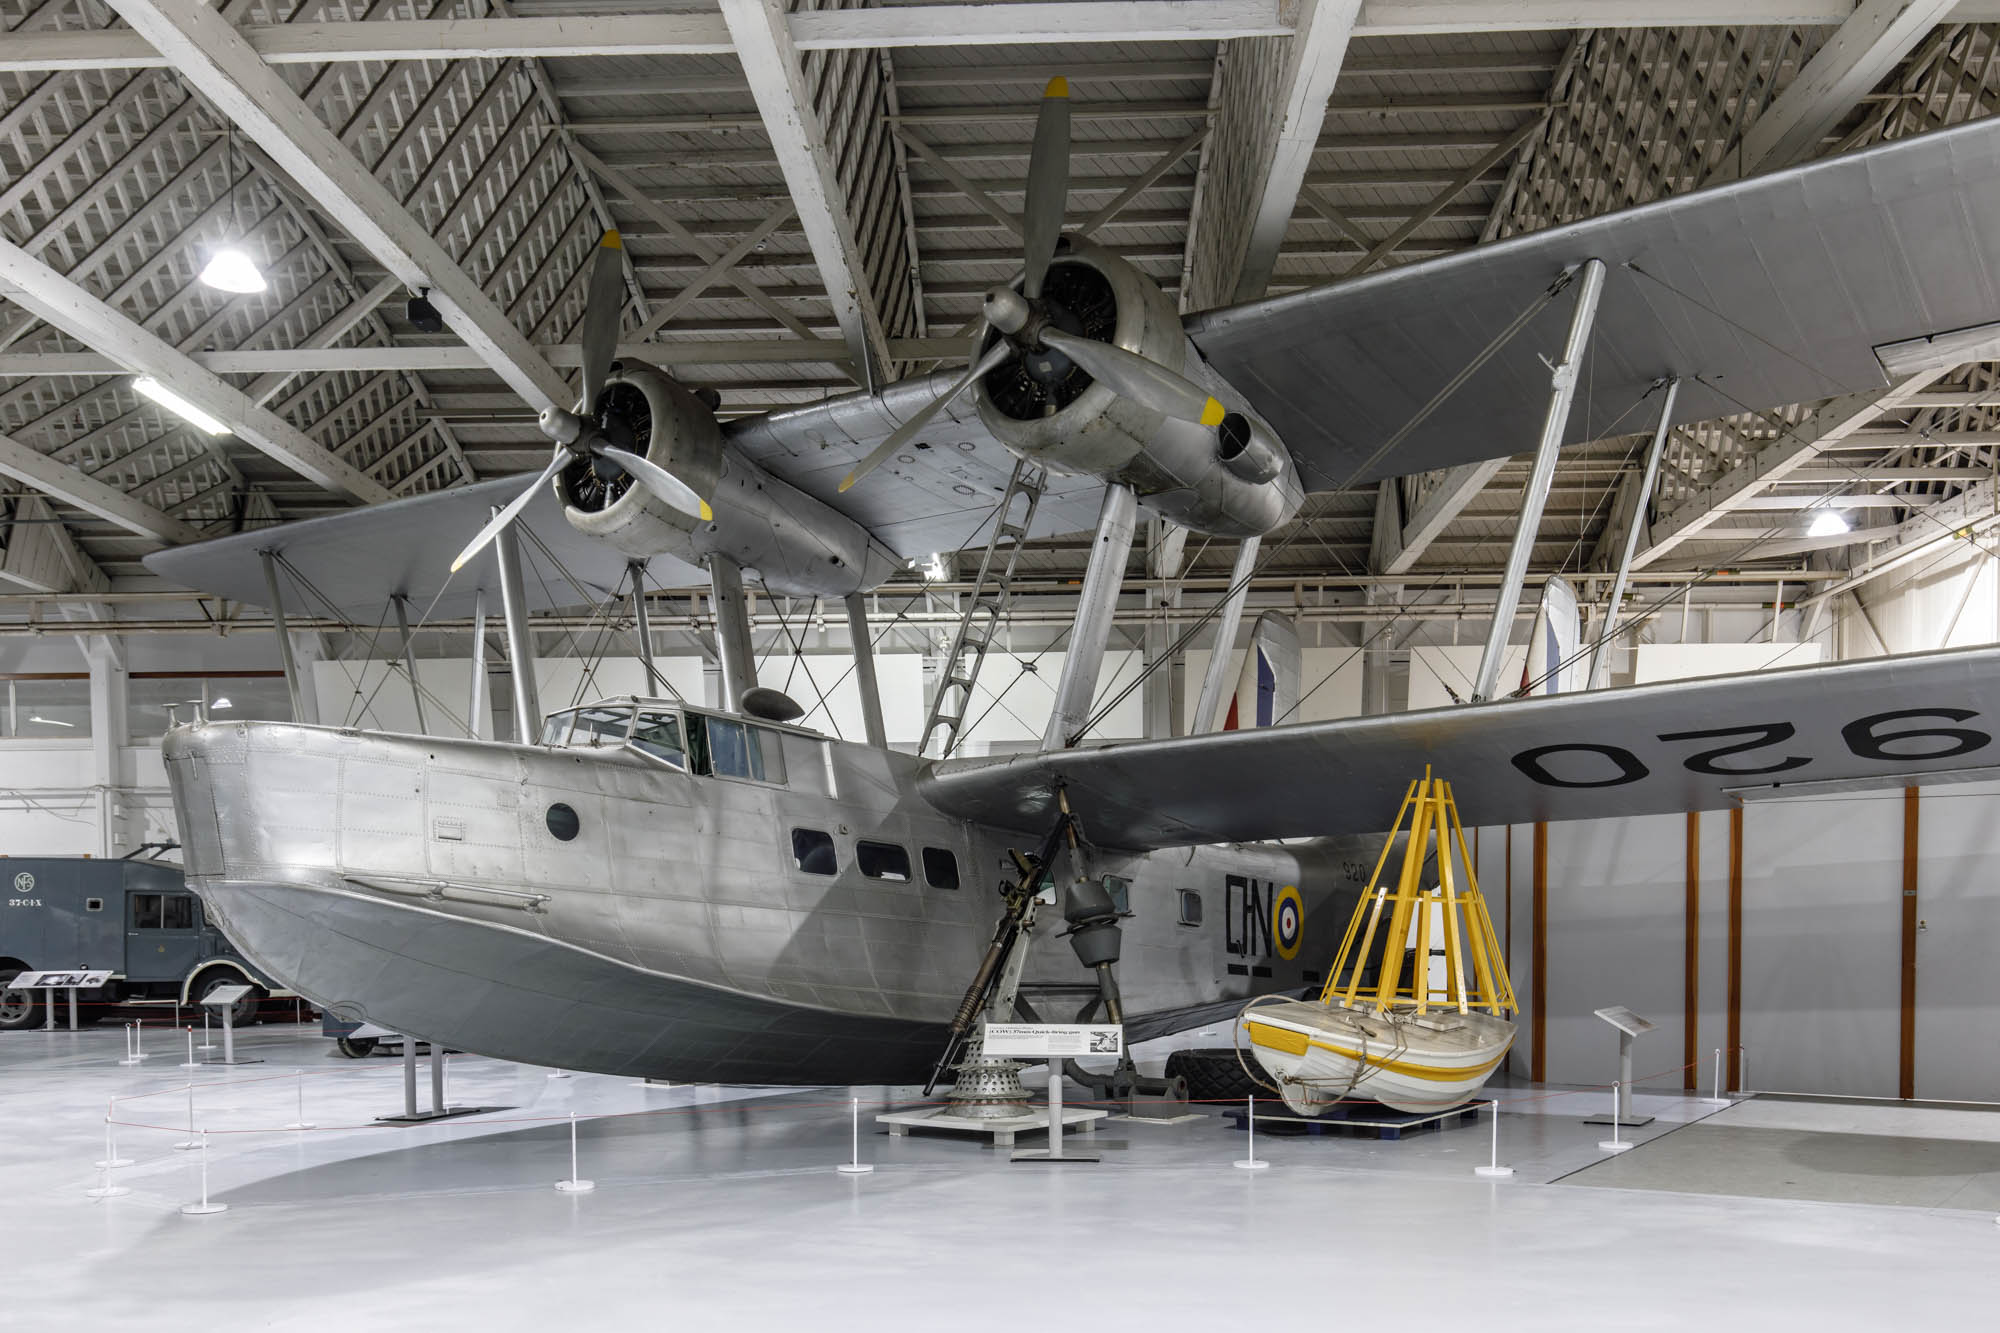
(1279, 1039)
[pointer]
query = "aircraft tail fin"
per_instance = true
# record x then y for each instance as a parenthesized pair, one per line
(1267, 691)
(1553, 665)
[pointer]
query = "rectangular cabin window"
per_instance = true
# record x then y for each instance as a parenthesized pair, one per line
(177, 913)
(812, 852)
(659, 735)
(93, 904)
(1190, 907)
(883, 860)
(1120, 890)
(739, 751)
(600, 726)
(940, 868)
(145, 911)
(555, 730)
(771, 749)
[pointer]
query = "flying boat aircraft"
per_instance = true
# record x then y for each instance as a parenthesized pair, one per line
(649, 887)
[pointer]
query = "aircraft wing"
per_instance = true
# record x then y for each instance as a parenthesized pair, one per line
(350, 562)
(1769, 291)
(1650, 749)
(936, 496)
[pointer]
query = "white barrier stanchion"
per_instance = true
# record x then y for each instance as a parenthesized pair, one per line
(1251, 1163)
(574, 1185)
(132, 1055)
(204, 1207)
(1493, 1170)
(107, 1190)
(855, 1166)
(194, 1139)
(1614, 1143)
(139, 1041)
(1716, 1098)
(558, 1073)
(206, 1044)
(111, 1157)
(301, 1122)
(192, 1063)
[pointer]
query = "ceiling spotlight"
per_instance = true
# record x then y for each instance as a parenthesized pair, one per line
(51, 721)
(230, 269)
(1829, 523)
(179, 406)
(424, 316)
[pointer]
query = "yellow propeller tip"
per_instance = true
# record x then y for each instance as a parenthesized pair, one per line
(1212, 413)
(611, 241)
(707, 514)
(846, 482)
(1058, 87)
(457, 565)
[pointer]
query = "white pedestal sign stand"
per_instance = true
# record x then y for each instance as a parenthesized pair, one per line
(1054, 1042)
(1629, 1025)
(223, 1001)
(72, 981)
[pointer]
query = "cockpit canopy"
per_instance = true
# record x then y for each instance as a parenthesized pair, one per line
(673, 734)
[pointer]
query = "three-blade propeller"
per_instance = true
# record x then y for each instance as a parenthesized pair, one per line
(1021, 318)
(578, 437)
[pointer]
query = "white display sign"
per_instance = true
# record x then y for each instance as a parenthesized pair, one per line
(223, 996)
(1054, 1039)
(81, 980)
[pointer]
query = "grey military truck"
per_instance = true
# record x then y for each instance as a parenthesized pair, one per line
(134, 917)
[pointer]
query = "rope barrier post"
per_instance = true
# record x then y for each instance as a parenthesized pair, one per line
(299, 1076)
(1716, 1098)
(1251, 1163)
(204, 1207)
(111, 1157)
(1614, 1143)
(1493, 1170)
(855, 1166)
(194, 1139)
(574, 1185)
(128, 1060)
(107, 1190)
(206, 1044)
(192, 1063)
(134, 1040)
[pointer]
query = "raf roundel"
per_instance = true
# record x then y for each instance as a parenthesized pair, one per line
(1288, 922)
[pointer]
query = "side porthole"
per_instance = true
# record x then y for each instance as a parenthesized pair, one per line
(562, 821)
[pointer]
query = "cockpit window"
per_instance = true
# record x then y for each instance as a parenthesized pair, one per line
(736, 750)
(659, 735)
(587, 726)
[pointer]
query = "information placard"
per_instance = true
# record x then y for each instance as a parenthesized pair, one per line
(74, 977)
(1046, 1040)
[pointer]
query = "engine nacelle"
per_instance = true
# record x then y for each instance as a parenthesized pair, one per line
(782, 537)
(1232, 480)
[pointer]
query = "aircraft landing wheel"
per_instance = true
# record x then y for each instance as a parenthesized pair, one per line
(355, 1048)
(1213, 1075)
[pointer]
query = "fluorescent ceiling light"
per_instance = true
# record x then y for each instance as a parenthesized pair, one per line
(231, 270)
(178, 405)
(1828, 523)
(51, 722)
(223, 702)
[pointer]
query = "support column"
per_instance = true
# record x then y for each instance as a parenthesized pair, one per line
(1089, 632)
(107, 737)
(520, 643)
(643, 628)
(270, 559)
(864, 670)
(477, 725)
(1600, 660)
(1562, 389)
(402, 605)
(1223, 654)
(732, 630)
(1162, 690)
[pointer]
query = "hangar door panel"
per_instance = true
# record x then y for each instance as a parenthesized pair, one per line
(1822, 923)
(1958, 902)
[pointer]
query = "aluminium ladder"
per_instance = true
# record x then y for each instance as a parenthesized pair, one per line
(991, 592)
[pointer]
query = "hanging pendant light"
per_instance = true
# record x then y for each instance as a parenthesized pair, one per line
(230, 267)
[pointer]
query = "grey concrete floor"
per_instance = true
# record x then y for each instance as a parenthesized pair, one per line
(719, 1209)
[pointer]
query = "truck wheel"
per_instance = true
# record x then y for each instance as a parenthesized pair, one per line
(244, 1012)
(18, 1008)
(355, 1048)
(1213, 1075)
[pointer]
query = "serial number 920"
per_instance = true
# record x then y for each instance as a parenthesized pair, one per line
(1889, 737)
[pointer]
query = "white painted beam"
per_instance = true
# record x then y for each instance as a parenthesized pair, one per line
(57, 301)
(1438, 507)
(1860, 54)
(1065, 22)
(213, 57)
(65, 483)
(309, 360)
(1777, 461)
(777, 82)
(1319, 45)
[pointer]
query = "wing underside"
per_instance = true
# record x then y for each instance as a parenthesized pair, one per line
(1653, 749)
(1762, 293)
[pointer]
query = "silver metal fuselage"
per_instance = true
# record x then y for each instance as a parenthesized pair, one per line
(415, 882)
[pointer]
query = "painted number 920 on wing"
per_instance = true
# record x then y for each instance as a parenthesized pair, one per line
(1903, 735)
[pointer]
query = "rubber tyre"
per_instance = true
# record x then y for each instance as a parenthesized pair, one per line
(245, 1011)
(19, 1009)
(1213, 1075)
(355, 1048)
